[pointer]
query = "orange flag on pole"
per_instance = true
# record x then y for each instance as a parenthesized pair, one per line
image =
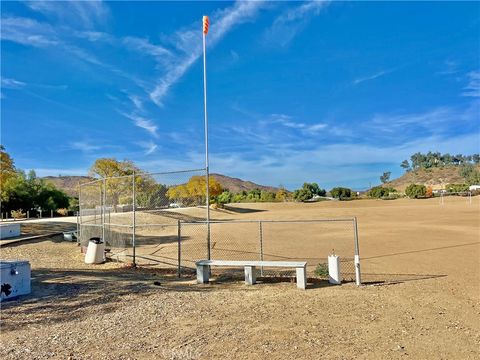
(206, 23)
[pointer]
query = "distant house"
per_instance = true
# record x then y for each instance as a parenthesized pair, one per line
(474, 187)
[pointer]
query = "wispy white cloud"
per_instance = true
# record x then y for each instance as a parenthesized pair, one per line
(288, 122)
(28, 32)
(84, 146)
(143, 123)
(17, 84)
(286, 26)
(351, 161)
(145, 46)
(85, 13)
(372, 77)
(449, 67)
(12, 84)
(473, 87)
(136, 101)
(149, 146)
(188, 44)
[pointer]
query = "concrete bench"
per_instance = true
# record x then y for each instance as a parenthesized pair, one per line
(203, 269)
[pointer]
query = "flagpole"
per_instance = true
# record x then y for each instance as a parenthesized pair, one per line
(207, 169)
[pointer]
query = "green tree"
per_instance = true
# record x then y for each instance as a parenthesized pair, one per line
(27, 193)
(341, 193)
(225, 197)
(379, 192)
(308, 191)
(456, 187)
(385, 177)
(405, 165)
(152, 195)
(267, 196)
(416, 191)
(470, 174)
(7, 167)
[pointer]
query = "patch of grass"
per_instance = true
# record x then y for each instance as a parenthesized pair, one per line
(321, 270)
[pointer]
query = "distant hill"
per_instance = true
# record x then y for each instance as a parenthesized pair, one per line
(437, 178)
(69, 184)
(236, 185)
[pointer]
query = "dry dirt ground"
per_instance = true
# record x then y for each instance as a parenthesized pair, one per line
(77, 311)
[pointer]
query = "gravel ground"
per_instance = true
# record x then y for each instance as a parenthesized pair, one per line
(79, 311)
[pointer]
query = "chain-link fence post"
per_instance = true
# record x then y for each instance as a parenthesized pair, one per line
(133, 219)
(79, 214)
(358, 278)
(103, 204)
(260, 232)
(179, 239)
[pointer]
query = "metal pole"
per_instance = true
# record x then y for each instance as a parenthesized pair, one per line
(260, 229)
(358, 278)
(206, 144)
(133, 220)
(79, 212)
(179, 237)
(104, 199)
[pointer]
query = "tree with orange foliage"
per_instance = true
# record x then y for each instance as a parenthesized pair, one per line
(429, 192)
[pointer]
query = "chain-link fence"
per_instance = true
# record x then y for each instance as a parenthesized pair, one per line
(91, 211)
(274, 240)
(138, 214)
(159, 219)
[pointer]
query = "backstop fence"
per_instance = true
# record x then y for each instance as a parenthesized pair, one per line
(159, 220)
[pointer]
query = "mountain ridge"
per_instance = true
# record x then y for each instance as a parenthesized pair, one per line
(69, 184)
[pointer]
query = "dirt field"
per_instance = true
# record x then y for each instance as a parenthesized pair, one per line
(78, 311)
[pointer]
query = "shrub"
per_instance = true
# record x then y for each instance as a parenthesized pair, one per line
(321, 270)
(341, 193)
(224, 198)
(63, 212)
(457, 187)
(379, 192)
(429, 192)
(416, 191)
(18, 214)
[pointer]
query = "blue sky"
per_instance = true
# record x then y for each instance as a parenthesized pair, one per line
(332, 92)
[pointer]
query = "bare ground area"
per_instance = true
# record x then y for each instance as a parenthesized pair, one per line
(79, 311)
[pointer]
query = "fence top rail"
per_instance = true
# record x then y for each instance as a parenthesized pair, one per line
(90, 182)
(147, 173)
(268, 221)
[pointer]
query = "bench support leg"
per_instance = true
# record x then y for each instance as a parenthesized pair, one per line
(301, 278)
(203, 274)
(250, 276)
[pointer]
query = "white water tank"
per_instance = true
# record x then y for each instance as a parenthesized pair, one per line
(334, 270)
(14, 278)
(95, 251)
